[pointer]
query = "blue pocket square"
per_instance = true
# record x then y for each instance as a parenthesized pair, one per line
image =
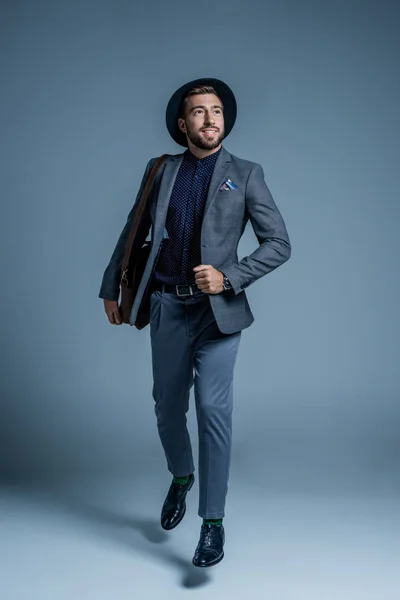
(228, 185)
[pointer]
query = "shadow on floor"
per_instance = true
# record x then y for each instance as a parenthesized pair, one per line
(139, 534)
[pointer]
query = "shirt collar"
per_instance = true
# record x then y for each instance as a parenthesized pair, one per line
(210, 159)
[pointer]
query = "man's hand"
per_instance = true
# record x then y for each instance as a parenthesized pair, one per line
(112, 311)
(208, 279)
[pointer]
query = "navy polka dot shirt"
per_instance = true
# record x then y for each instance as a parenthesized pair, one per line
(181, 251)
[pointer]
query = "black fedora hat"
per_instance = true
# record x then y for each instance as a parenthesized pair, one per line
(174, 105)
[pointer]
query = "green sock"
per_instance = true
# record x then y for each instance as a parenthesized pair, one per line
(181, 480)
(217, 522)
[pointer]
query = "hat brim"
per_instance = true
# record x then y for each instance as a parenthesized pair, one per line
(174, 105)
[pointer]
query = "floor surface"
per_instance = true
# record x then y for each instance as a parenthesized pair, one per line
(100, 538)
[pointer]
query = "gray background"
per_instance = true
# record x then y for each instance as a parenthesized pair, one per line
(84, 91)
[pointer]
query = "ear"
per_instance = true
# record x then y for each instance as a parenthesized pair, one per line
(182, 125)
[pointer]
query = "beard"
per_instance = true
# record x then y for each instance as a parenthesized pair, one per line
(203, 143)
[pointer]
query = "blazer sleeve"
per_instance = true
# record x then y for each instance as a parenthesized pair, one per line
(109, 289)
(269, 227)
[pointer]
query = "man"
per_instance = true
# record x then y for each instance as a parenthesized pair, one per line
(200, 203)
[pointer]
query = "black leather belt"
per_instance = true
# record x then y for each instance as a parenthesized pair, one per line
(184, 290)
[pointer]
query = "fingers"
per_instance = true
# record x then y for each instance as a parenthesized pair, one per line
(208, 279)
(115, 317)
(202, 268)
(203, 281)
(112, 312)
(202, 277)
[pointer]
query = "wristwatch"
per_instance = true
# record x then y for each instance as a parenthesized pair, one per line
(226, 284)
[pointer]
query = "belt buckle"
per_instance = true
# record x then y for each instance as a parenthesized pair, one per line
(183, 295)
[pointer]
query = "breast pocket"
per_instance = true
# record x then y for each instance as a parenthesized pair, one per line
(230, 206)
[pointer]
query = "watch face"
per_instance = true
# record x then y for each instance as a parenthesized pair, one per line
(226, 284)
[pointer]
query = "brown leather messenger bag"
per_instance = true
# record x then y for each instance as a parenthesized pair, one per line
(134, 263)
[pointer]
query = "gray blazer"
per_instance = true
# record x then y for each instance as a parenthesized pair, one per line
(225, 216)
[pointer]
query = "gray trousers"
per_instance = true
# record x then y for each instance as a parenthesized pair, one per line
(188, 349)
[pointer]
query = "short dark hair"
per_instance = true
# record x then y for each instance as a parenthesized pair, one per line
(203, 89)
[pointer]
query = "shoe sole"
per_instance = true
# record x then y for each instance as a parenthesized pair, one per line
(210, 564)
(183, 514)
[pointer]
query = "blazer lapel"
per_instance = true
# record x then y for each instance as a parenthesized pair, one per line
(167, 183)
(218, 177)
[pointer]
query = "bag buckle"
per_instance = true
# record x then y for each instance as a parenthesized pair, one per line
(124, 278)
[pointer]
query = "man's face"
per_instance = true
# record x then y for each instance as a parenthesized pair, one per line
(204, 121)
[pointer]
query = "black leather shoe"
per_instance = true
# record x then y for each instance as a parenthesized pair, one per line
(174, 506)
(209, 550)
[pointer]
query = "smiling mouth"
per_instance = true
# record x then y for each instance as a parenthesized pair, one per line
(209, 131)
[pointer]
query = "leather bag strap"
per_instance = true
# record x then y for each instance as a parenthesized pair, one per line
(140, 210)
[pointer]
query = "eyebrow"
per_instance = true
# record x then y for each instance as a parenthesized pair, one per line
(203, 106)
